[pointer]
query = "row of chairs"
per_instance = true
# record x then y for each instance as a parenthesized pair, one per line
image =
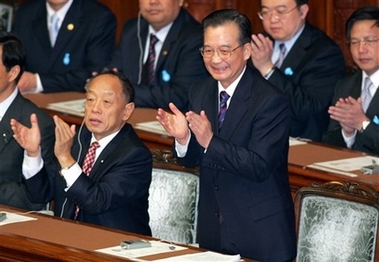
(336, 222)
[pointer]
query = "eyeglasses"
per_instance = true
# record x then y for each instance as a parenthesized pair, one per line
(222, 53)
(279, 13)
(369, 41)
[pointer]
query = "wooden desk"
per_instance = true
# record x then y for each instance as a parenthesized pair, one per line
(152, 140)
(54, 239)
(299, 156)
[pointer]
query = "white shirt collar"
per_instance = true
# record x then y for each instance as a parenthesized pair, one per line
(161, 35)
(231, 88)
(103, 142)
(374, 79)
(61, 12)
(289, 44)
(7, 102)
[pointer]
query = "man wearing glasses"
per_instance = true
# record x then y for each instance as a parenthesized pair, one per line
(355, 108)
(237, 133)
(301, 60)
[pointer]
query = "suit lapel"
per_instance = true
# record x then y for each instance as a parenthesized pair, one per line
(373, 108)
(237, 107)
(211, 106)
(108, 151)
(5, 127)
(40, 29)
(299, 49)
(171, 38)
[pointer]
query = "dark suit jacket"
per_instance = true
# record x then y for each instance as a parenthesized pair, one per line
(308, 76)
(368, 140)
(88, 46)
(243, 174)
(12, 188)
(179, 63)
(115, 194)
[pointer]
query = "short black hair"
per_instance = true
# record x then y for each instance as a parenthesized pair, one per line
(363, 13)
(127, 87)
(301, 2)
(13, 52)
(224, 16)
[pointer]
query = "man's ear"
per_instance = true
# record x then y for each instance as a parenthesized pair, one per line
(304, 11)
(128, 111)
(14, 72)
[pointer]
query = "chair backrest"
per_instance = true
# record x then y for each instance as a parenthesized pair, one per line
(173, 199)
(337, 221)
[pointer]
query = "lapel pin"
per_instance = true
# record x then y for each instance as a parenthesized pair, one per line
(66, 59)
(165, 52)
(288, 71)
(70, 27)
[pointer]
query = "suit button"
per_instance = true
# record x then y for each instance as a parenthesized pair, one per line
(216, 187)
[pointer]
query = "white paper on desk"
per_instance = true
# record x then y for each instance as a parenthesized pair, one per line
(152, 126)
(74, 107)
(207, 256)
(157, 247)
(295, 142)
(15, 218)
(349, 164)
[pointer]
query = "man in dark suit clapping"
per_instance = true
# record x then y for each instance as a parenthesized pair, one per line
(104, 170)
(301, 60)
(13, 105)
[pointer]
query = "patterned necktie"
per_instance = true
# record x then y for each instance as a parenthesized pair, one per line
(54, 28)
(282, 54)
(87, 165)
(150, 63)
(223, 107)
(366, 95)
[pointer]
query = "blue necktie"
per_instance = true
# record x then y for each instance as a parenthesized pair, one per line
(223, 107)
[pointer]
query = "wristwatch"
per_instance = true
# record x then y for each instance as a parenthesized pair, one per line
(364, 125)
(65, 169)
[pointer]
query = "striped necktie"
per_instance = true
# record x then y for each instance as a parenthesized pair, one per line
(223, 107)
(151, 59)
(282, 54)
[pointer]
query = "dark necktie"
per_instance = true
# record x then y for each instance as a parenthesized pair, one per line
(89, 159)
(150, 63)
(366, 95)
(282, 54)
(223, 107)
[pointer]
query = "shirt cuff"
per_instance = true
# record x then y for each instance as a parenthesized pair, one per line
(349, 140)
(39, 87)
(71, 174)
(181, 150)
(31, 165)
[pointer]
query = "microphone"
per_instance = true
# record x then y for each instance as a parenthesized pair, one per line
(140, 62)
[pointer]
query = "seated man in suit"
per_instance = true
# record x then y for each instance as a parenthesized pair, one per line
(104, 169)
(301, 60)
(355, 109)
(165, 75)
(13, 105)
(245, 203)
(65, 42)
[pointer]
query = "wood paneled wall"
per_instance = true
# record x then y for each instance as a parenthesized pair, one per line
(328, 15)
